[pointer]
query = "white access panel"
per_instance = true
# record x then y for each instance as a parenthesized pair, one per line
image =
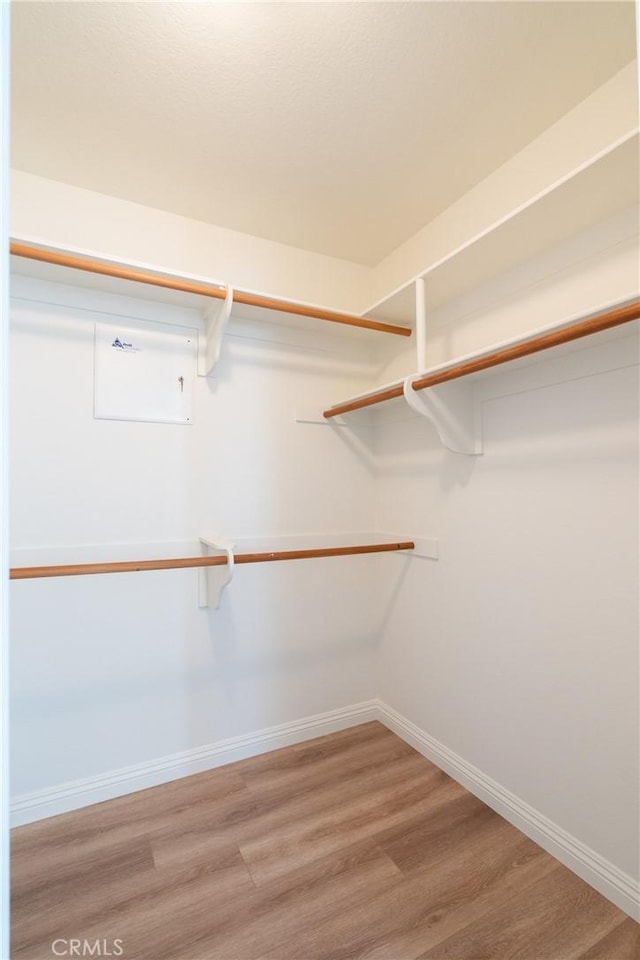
(144, 372)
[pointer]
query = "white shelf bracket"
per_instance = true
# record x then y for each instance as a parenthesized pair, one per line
(453, 410)
(421, 325)
(216, 316)
(213, 580)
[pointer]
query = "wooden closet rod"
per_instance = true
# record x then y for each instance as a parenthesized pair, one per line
(135, 566)
(202, 289)
(583, 328)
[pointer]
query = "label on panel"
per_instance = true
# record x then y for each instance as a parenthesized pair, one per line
(144, 372)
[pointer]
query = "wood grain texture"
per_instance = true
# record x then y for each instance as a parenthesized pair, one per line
(380, 396)
(533, 924)
(622, 943)
(584, 328)
(181, 563)
(135, 274)
(352, 845)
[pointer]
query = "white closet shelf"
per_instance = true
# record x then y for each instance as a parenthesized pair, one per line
(449, 405)
(599, 189)
(245, 303)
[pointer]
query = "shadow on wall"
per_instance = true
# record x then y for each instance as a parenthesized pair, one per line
(410, 447)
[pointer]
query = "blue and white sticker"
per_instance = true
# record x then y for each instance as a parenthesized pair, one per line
(119, 344)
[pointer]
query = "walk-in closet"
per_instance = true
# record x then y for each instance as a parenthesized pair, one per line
(322, 480)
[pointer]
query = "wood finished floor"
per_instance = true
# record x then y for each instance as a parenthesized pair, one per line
(352, 845)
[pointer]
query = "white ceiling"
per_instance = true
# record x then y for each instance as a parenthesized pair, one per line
(336, 127)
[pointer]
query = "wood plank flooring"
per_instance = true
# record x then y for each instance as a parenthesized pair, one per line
(352, 845)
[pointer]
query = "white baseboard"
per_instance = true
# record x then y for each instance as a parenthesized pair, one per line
(606, 878)
(29, 807)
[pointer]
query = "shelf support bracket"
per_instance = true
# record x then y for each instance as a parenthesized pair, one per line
(213, 580)
(216, 316)
(421, 325)
(452, 409)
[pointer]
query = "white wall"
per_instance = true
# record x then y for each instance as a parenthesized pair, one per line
(518, 650)
(120, 670)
